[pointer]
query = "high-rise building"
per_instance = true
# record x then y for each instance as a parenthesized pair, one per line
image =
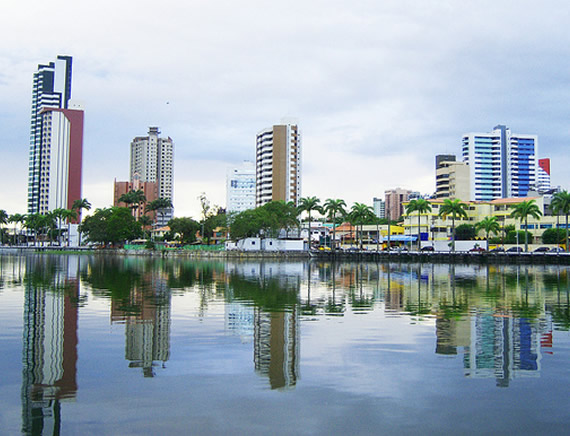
(379, 206)
(543, 178)
(278, 164)
(56, 140)
(240, 187)
(502, 164)
(394, 202)
(452, 180)
(152, 161)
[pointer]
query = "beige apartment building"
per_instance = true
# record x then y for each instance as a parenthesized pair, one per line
(452, 180)
(278, 164)
(395, 199)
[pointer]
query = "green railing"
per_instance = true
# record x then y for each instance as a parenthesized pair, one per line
(186, 247)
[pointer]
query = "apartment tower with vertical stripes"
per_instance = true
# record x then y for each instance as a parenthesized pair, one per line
(56, 140)
(278, 164)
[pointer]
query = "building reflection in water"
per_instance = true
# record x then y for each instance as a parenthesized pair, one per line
(49, 341)
(273, 289)
(146, 315)
(276, 347)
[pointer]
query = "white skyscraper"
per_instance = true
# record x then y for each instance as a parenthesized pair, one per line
(152, 160)
(278, 164)
(502, 164)
(56, 140)
(240, 187)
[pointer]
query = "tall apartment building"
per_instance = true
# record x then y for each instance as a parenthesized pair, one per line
(152, 159)
(394, 202)
(240, 187)
(502, 164)
(278, 164)
(543, 177)
(56, 140)
(451, 179)
(379, 206)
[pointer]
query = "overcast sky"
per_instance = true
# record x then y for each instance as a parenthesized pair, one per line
(378, 87)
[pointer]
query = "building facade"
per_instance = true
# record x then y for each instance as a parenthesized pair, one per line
(240, 187)
(56, 140)
(452, 180)
(152, 160)
(502, 164)
(149, 189)
(278, 164)
(395, 199)
(543, 183)
(379, 206)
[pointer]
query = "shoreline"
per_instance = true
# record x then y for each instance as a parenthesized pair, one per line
(363, 256)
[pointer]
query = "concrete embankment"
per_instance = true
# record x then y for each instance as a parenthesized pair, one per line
(356, 256)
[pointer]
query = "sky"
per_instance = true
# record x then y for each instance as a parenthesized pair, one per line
(378, 88)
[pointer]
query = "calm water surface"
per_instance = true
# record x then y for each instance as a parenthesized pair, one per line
(131, 346)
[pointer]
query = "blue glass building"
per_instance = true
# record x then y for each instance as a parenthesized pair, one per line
(502, 164)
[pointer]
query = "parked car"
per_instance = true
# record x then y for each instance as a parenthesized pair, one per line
(477, 250)
(541, 250)
(557, 250)
(515, 250)
(497, 250)
(428, 248)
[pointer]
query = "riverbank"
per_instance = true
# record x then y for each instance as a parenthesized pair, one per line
(352, 256)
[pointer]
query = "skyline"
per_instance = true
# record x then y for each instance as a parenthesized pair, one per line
(378, 90)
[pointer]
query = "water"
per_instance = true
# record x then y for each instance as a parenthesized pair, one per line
(133, 346)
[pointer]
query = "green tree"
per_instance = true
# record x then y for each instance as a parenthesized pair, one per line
(68, 215)
(334, 208)
(185, 228)
(247, 224)
(553, 236)
(517, 236)
(489, 224)
(17, 218)
(465, 232)
(160, 206)
(3, 221)
(78, 206)
(456, 209)
(133, 199)
(309, 204)
(145, 221)
(114, 225)
(561, 203)
(360, 214)
(522, 211)
(419, 205)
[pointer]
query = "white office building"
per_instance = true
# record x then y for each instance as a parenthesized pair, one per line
(240, 187)
(502, 164)
(152, 160)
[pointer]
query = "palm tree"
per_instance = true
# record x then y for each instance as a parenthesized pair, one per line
(522, 211)
(359, 213)
(78, 205)
(17, 218)
(3, 220)
(145, 221)
(133, 199)
(59, 215)
(561, 203)
(309, 204)
(333, 207)
(455, 209)
(158, 205)
(419, 205)
(68, 215)
(489, 224)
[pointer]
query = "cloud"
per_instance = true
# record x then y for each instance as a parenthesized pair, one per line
(392, 82)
